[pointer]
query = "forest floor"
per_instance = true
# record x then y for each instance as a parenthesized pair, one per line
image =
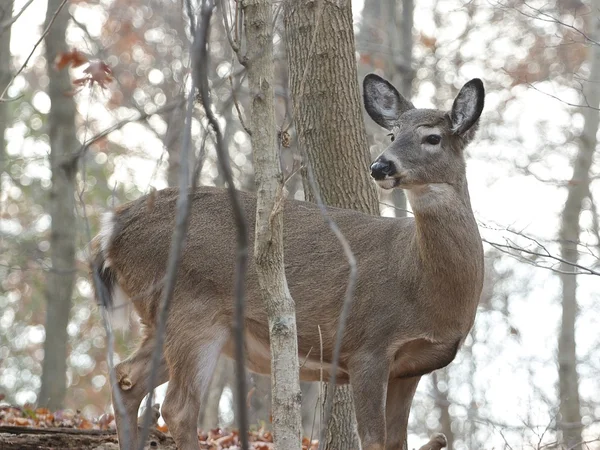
(23, 428)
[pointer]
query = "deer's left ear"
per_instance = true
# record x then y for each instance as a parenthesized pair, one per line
(467, 106)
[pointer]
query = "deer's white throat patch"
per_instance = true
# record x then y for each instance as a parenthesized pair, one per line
(430, 196)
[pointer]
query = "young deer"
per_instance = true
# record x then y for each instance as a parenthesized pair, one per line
(419, 279)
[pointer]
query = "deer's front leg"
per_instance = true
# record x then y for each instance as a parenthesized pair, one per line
(400, 393)
(368, 378)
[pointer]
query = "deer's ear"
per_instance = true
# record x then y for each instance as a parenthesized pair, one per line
(467, 106)
(383, 102)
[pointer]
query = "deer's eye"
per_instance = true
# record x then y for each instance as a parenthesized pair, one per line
(433, 139)
(391, 135)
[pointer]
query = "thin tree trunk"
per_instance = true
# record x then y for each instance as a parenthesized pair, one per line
(5, 75)
(403, 66)
(568, 380)
(268, 245)
(443, 404)
(63, 142)
(260, 400)
(330, 127)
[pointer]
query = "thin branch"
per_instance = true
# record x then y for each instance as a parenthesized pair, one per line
(46, 31)
(103, 297)
(200, 72)
(506, 247)
(8, 22)
(140, 117)
(347, 298)
(179, 233)
(237, 108)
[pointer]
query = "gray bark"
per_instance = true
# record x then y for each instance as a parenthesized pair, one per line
(5, 75)
(443, 404)
(386, 40)
(329, 122)
(568, 380)
(268, 245)
(60, 279)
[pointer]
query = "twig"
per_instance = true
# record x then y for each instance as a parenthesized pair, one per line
(237, 108)
(140, 117)
(233, 41)
(320, 399)
(46, 31)
(504, 247)
(200, 71)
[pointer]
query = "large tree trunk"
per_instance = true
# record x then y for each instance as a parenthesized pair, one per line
(568, 380)
(268, 244)
(329, 123)
(63, 143)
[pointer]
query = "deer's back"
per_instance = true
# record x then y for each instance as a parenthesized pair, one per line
(317, 270)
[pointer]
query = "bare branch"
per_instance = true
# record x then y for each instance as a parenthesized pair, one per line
(46, 31)
(8, 22)
(200, 53)
(117, 126)
(505, 248)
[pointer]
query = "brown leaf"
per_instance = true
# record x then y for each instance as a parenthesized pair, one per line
(74, 58)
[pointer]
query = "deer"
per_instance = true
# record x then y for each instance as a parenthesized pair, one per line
(418, 282)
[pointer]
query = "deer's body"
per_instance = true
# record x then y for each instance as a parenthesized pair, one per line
(418, 285)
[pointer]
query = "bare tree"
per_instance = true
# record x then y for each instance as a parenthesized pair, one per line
(268, 243)
(63, 143)
(570, 229)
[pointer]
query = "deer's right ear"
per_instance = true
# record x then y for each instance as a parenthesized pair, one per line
(383, 102)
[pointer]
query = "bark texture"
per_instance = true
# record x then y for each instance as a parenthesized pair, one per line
(326, 101)
(578, 189)
(268, 244)
(23, 438)
(63, 142)
(328, 118)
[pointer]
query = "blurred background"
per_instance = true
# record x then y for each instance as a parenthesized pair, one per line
(531, 365)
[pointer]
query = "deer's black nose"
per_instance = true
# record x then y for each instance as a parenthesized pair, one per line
(382, 168)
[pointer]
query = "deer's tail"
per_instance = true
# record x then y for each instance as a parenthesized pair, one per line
(107, 291)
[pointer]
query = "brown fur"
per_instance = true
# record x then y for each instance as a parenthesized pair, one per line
(418, 286)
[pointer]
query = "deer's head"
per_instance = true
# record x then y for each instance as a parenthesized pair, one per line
(426, 144)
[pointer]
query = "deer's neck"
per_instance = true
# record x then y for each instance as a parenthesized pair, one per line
(447, 240)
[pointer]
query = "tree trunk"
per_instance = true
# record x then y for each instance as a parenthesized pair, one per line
(268, 244)
(443, 404)
(386, 44)
(568, 380)
(329, 123)
(5, 76)
(63, 142)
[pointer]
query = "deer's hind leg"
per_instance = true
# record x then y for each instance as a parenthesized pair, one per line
(132, 385)
(192, 355)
